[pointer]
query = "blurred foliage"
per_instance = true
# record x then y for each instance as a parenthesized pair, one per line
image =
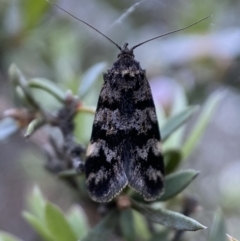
(52, 225)
(47, 219)
(230, 238)
(55, 47)
(218, 231)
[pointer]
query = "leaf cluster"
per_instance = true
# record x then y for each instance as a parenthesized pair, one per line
(129, 214)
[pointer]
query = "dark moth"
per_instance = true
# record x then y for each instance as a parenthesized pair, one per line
(125, 146)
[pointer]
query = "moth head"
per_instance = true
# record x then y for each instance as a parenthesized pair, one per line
(126, 51)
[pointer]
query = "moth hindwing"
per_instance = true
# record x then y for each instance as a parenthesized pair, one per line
(125, 146)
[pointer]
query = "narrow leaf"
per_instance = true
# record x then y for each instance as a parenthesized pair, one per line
(141, 226)
(172, 159)
(39, 226)
(68, 173)
(127, 225)
(103, 229)
(58, 224)
(16, 76)
(177, 182)
(218, 230)
(48, 86)
(22, 97)
(36, 203)
(179, 104)
(124, 15)
(78, 221)
(18, 79)
(176, 121)
(33, 126)
(169, 218)
(8, 237)
(90, 78)
(174, 184)
(230, 238)
(202, 123)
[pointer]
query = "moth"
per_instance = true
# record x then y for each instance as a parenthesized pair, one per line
(125, 146)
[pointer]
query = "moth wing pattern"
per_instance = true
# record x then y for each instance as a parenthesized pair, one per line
(145, 166)
(145, 175)
(125, 146)
(105, 174)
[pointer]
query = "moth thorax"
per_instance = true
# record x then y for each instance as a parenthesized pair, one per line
(125, 51)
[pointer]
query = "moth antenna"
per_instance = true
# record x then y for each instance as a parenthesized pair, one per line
(174, 31)
(80, 20)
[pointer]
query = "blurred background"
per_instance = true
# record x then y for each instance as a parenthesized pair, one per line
(193, 67)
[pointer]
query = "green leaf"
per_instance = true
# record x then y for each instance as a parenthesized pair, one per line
(8, 126)
(19, 81)
(80, 120)
(68, 173)
(174, 184)
(48, 86)
(218, 230)
(58, 224)
(180, 98)
(8, 237)
(36, 203)
(16, 76)
(33, 126)
(179, 104)
(39, 226)
(127, 225)
(202, 122)
(168, 218)
(32, 12)
(177, 182)
(160, 236)
(103, 229)
(22, 97)
(176, 121)
(141, 226)
(172, 159)
(90, 77)
(78, 221)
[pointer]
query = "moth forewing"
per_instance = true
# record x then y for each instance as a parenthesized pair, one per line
(125, 141)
